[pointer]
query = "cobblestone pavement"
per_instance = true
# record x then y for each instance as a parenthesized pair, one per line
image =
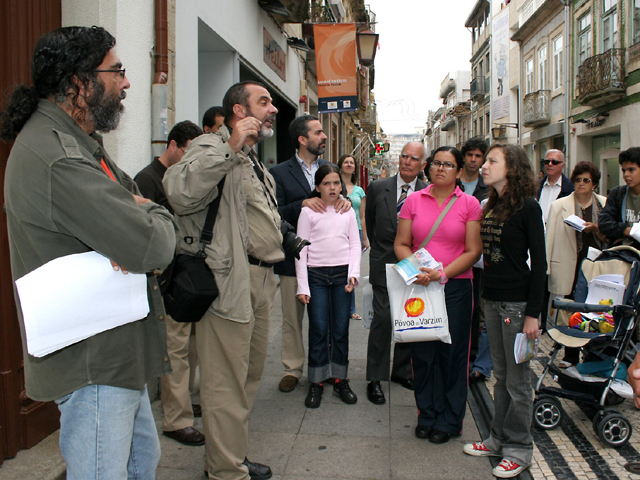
(573, 450)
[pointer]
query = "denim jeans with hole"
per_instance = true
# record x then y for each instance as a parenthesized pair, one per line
(328, 311)
(108, 433)
(513, 391)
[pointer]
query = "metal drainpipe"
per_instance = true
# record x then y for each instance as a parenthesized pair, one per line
(567, 62)
(159, 127)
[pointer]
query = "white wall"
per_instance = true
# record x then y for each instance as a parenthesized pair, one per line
(132, 24)
(216, 73)
(240, 24)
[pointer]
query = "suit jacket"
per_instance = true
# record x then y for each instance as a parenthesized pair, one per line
(562, 249)
(565, 189)
(382, 223)
(292, 188)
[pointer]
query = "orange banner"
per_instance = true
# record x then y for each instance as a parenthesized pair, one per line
(336, 65)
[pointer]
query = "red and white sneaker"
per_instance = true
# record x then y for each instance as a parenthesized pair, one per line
(508, 469)
(479, 450)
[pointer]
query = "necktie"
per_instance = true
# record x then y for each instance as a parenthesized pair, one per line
(403, 197)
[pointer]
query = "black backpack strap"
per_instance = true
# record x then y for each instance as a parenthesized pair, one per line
(207, 230)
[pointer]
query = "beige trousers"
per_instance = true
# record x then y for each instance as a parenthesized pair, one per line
(232, 359)
(292, 352)
(175, 388)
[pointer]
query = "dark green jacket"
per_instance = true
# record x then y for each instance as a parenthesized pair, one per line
(59, 201)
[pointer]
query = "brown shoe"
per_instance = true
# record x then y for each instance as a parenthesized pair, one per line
(288, 383)
(187, 436)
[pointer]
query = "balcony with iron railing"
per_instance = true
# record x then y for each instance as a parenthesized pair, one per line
(527, 9)
(478, 88)
(601, 78)
(536, 109)
(448, 122)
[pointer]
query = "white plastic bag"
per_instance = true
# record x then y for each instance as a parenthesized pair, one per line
(367, 302)
(418, 313)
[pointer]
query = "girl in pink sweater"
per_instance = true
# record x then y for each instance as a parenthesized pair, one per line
(327, 272)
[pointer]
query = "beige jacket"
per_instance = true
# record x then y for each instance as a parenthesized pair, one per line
(562, 249)
(190, 186)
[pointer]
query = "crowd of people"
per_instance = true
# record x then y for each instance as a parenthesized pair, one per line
(479, 211)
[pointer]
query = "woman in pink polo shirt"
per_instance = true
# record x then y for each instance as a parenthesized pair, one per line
(440, 369)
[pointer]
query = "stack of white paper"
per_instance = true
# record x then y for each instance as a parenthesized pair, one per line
(575, 222)
(609, 288)
(75, 297)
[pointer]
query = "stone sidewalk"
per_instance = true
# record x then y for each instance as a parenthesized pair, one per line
(334, 442)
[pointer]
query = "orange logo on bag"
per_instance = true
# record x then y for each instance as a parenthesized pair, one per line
(414, 307)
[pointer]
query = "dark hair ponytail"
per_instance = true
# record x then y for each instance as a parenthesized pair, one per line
(22, 103)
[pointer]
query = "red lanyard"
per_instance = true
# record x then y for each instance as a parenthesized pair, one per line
(106, 168)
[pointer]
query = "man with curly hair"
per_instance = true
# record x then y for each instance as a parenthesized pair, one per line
(64, 195)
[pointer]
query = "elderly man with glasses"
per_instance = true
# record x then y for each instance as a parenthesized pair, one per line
(555, 184)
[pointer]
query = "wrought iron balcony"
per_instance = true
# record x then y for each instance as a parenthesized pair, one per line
(478, 88)
(536, 109)
(601, 78)
(448, 122)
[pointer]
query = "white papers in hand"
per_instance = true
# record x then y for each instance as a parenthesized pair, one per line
(575, 222)
(75, 297)
(635, 231)
(409, 268)
(525, 348)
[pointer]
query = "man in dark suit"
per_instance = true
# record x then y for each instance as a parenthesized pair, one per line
(384, 200)
(294, 182)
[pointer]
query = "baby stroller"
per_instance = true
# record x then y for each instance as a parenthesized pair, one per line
(618, 346)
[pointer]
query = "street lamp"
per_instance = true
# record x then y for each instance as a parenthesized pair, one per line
(500, 130)
(367, 43)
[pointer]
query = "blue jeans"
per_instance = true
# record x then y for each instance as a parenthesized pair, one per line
(328, 311)
(483, 362)
(108, 433)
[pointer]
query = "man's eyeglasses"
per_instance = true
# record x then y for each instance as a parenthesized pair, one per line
(447, 165)
(555, 162)
(119, 71)
(583, 180)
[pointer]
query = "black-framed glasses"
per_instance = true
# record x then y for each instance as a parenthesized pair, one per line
(555, 162)
(583, 180)
(119, 71)
(447, 165)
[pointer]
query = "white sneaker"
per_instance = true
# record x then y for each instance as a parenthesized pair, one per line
(479, 450)
(508, 469)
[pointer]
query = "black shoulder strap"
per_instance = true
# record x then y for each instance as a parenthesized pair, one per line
(207, 230)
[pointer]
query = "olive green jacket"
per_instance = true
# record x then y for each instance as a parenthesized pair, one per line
(59, 201)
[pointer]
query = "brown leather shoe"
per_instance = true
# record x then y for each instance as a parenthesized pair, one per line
(288, 383)
(187, 436)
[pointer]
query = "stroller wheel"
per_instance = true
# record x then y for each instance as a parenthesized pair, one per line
(614, 429)
(547, 412)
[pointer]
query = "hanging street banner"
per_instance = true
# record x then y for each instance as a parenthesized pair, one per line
(500, 44)
(336, 66)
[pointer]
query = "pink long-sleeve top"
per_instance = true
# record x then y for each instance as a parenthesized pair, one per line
(335, 240)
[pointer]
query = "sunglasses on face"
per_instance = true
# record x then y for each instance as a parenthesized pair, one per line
(583, 180)
(554, 162)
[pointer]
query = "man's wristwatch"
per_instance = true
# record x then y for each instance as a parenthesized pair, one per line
(443, 277)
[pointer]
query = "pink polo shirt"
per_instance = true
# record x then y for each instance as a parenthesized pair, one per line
(447, 243)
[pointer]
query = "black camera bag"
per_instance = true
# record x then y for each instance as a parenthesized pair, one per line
(188, 285)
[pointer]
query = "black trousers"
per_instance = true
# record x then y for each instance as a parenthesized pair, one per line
(440, 369)
(379, 347)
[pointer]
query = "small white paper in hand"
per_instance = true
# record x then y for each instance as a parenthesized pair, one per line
(635, 231)
(75, 297)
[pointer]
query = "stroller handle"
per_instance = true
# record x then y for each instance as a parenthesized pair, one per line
(624, 310)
